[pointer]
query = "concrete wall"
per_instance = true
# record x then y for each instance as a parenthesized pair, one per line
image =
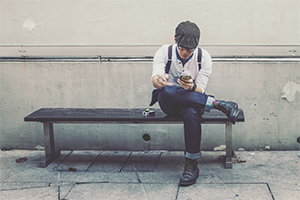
(258, 87)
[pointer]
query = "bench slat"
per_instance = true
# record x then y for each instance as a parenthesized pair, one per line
(116, 115)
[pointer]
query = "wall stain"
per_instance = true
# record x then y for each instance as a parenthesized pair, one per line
(289, 91)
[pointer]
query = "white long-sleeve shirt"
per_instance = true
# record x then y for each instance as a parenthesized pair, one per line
(201, 77)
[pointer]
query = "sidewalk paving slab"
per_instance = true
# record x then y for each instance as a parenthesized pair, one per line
(107, 191)
(110, 161)
(148, 175)
(224, 191)
(142, 162)
(79, 160)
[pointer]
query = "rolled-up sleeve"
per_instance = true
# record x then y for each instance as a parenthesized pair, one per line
(159, 61)
(206, 69)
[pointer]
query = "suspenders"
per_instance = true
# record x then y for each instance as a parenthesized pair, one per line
(168, 65)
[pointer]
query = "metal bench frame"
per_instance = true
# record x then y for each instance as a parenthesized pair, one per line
(51, 153)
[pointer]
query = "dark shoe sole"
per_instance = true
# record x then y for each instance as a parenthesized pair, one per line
(185, 184)
(233, 115)
(188, 183)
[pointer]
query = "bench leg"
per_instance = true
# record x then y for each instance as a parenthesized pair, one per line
(228, 160)
(50, 152)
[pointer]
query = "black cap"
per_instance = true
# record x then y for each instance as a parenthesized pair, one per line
(187, 35)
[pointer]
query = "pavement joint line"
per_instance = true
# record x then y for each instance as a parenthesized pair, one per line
(55, 168)
(140, 182)
(26, 182)
(270, 191)
(93, 161)
(82, 183)
(59, 184)
(149, 183)
(124, 164)
(177, 192)
(138, 177)
(67, 193)
(157, 162)
(25, 188)
(242, 183)
(231, 191)
(58, 192)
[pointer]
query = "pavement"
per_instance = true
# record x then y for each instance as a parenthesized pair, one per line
(265, 175)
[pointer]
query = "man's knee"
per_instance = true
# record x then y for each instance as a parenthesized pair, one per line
(167, 92)
(191, 113)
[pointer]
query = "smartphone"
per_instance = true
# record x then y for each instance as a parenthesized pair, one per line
(185, 76)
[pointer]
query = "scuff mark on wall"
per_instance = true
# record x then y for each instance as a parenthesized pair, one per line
(99, 19)
(16, 18)
(29, 24)
(289, 91)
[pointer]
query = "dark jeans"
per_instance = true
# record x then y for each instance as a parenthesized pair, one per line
(190, 106)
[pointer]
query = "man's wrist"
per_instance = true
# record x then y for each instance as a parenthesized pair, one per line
(194, 86)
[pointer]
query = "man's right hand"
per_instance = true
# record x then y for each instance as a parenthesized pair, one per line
(160, 81)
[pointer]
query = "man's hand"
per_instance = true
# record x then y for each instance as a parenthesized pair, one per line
(160, 81)
(187, 84)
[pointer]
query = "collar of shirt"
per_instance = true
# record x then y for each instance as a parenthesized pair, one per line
(183, 60)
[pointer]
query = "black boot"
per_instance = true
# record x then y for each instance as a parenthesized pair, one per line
(190, 174)
(229, 108)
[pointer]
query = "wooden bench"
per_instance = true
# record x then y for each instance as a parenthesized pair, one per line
(49, 116)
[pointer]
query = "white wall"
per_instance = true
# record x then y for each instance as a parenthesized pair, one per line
(148, 21)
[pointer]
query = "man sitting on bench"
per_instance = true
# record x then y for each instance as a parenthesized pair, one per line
(180, 74)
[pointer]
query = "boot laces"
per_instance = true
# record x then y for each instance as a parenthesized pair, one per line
(188, 168)
(225, 108)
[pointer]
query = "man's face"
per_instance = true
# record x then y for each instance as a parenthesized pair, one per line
(184, 53)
